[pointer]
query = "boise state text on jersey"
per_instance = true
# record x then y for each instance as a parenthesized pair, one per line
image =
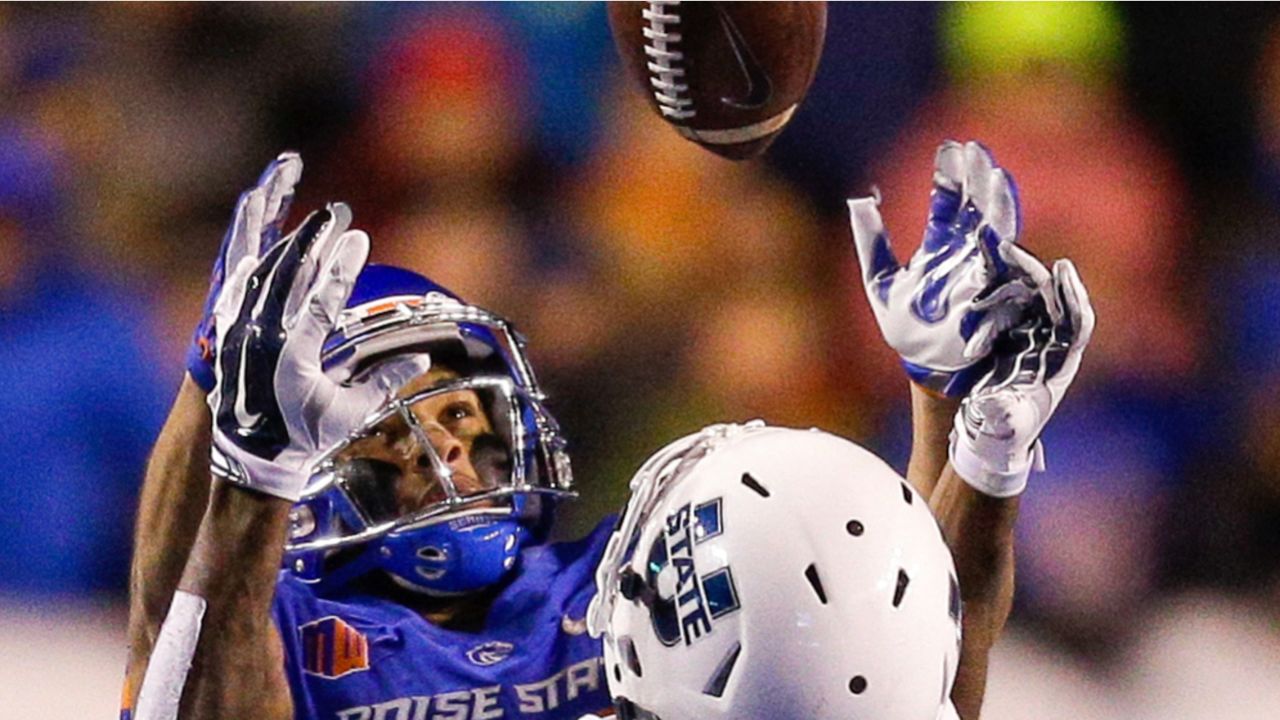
(363, 657)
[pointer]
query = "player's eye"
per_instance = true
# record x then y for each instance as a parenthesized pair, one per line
(379, 435)
(459, 411)
(386, 432)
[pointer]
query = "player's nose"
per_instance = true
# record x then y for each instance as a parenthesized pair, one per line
(448, 447)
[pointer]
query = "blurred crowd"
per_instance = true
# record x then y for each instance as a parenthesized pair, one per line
(498, 149)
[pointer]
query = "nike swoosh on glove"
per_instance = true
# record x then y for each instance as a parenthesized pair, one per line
(996, 440)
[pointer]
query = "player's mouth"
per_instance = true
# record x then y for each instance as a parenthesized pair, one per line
(432, 493)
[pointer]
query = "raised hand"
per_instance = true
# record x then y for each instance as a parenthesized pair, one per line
(996, 441)
(964, 285)
(273, 407)
(255, 228)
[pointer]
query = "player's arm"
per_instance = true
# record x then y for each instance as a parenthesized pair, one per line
(931, 421)
(979, 531)
(218, 653)
(944, 312)
(994, 447)
(175, 489)
(174, 495)
(237, 669)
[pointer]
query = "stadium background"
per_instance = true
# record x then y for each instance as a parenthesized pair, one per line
(497, 149)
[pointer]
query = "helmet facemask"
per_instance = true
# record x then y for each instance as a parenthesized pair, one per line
(442, 485)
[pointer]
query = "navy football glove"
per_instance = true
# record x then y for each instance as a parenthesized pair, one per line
(273, 407)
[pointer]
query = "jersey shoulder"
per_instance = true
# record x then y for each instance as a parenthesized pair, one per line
(557, 575)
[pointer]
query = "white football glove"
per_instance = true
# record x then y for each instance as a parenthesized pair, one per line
(273, 407)
(996, 440)
(255, 228)
(963, 286)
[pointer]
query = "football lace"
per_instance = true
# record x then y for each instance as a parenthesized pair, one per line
(664, 61)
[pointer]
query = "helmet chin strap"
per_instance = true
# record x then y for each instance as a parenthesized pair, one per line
(424, 590)
(453, 558)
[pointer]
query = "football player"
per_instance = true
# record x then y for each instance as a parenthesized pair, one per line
(770, 573)
(386, 445)
(384, 476)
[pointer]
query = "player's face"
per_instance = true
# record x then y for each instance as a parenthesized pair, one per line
(451, 422)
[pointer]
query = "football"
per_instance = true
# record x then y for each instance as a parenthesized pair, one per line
(726, 75)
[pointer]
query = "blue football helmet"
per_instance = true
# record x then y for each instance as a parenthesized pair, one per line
(403, 494)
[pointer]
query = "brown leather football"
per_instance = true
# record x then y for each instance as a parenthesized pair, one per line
(726, 75)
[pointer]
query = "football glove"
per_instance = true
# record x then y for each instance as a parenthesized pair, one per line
(963, 286)
(255, 229)
(996, 440)
(273, 407)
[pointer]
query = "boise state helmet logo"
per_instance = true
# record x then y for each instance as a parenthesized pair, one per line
(685, 603)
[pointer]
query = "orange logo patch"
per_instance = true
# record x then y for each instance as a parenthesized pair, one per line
(331, 648)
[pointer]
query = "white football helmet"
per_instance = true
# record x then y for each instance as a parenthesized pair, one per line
(773, 573)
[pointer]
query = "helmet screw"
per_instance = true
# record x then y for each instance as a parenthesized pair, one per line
(386, 552)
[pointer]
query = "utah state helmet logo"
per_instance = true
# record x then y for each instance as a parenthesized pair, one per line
(683, 602)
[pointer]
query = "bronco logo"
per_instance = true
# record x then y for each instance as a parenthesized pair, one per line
(685, 602)
(490, 653)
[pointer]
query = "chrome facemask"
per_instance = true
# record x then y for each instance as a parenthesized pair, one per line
(522, 458)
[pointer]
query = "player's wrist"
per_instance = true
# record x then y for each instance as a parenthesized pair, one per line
(933, 398)
(254, 473)
(951, 384)
(932, 412)
(1000, 472)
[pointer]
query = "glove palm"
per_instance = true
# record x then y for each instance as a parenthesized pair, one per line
(964, 286)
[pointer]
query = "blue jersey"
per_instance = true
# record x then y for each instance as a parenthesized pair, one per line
(363, 657)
